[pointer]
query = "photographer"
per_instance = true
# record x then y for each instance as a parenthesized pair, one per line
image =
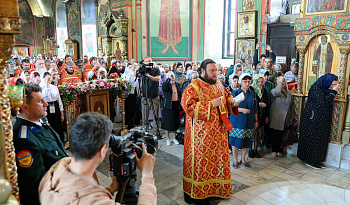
(72, 181)
(152, 77)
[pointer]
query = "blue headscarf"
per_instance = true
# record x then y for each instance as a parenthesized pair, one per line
(175, 70)
(325, 82)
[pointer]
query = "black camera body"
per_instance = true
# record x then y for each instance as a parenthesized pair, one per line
(145, 68)
(123, 160)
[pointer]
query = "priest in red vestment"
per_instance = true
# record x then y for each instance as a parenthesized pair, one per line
(70, 75)
(64, 67)
(206, 165)
(94, 66)
(26, 65)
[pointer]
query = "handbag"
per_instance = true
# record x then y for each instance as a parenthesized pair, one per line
(289, 135)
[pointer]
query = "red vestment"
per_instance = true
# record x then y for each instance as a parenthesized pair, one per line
(86, 71)
(19, 70)
(69, 79)
(64, 68)
(206, 164)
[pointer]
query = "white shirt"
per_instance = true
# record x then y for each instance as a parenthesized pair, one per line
(52, 94)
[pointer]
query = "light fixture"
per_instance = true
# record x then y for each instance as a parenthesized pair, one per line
(16, 94)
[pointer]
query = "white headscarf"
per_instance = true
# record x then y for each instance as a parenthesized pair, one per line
(23, 77)
(102, 69)
(242, 76)
(32, 76)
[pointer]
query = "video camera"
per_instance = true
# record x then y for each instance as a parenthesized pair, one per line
(123, 160)
(145, 68)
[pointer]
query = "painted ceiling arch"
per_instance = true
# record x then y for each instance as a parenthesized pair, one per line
(41, 7)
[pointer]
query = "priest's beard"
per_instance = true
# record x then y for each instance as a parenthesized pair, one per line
(209, 80)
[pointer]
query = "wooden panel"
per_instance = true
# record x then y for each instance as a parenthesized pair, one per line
(98, 101)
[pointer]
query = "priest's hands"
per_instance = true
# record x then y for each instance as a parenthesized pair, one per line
(233, 103)
(217, 102)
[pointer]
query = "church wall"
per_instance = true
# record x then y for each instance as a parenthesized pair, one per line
(34, 29)
(27, 38)
(74, 23)
(185, 45)
(39, 32)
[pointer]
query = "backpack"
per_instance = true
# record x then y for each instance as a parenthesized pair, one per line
(180, 137)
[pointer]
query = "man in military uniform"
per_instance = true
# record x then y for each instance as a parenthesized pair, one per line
(37, 145)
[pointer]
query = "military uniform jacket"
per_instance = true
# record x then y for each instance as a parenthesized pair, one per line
(37, 149)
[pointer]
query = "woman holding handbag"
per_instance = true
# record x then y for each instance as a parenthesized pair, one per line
(171, 107)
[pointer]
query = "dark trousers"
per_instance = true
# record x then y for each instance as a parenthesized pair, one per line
(55, 119)
(130, 108)
(276, 140)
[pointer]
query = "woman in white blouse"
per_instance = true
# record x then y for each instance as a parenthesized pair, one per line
(130, 102)
(55, 114)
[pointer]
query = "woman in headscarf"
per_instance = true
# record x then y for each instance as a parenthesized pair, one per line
(25, 75)
(179, 76)
(281, 114)
(234, 84)
(260, 69)
(171, 107)
(130, 102)
(316, 121)
(55, 114)
(262, 99)
(243, 126)
(236, 69)
(102, 73)
(35, 77)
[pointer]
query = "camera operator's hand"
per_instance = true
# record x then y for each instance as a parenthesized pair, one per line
(146, 74)
(146, 163)
(114, 186)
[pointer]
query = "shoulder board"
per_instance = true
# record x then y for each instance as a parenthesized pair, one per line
(23, 132)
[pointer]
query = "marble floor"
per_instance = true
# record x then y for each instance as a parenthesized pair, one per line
(269, 180)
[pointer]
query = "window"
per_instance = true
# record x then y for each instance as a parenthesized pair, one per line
(61, 28)
(88, 19)
(230, 13)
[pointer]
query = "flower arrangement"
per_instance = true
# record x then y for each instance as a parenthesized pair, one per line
(70, 92)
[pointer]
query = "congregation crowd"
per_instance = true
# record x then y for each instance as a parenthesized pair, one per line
(259, 120)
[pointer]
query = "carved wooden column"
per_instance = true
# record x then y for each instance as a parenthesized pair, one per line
(301, 70)
(346, 130)
(342, 71)
(342, 95)
(9, 18)
(109, 49)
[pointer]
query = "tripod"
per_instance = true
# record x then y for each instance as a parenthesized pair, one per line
(145, 102)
